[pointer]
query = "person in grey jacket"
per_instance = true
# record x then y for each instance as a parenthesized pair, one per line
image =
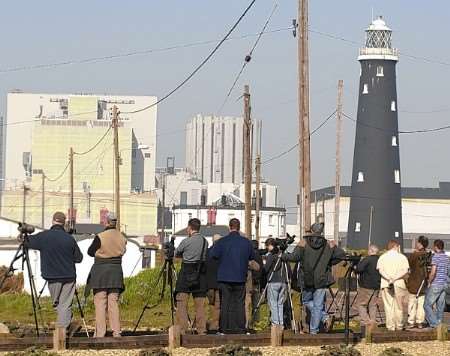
(316, 256)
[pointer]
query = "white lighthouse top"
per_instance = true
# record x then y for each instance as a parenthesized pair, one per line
(378, 42)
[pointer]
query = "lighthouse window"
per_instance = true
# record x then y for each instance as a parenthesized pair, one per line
(397, 234)
(380, 72)
(394, 140)
(366, 89)
(393, 106)
(397, 176)
(360, 177)
(358, 227)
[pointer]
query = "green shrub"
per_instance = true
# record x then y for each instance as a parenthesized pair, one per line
(234, 350)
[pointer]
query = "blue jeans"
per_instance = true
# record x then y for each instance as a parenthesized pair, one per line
(435, 295)
(276, 296)
(314, 300)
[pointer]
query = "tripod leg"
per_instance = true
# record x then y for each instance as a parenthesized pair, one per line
(289, 291)
(17, 256)
(32, 287)
(80, 309)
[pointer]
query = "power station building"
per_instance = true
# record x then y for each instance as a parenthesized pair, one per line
(42, 128)
(375, 206)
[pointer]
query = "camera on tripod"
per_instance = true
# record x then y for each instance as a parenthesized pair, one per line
(283, 244)
(169, 248)
(352, 258)
(24, 230)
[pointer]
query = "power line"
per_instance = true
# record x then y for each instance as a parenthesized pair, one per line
(197, 69)
(435, 129)
(95, 145)
(247, 59)
(323, 123)
(60, 175)
(131, 53)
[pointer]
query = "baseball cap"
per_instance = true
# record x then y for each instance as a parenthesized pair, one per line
(59, 217)
(111, 216)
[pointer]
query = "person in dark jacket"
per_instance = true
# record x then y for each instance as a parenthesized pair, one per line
(277, 279)
(417, 283)
(369, 287)
(59, 253)
(253, 288)
(212, 266)
(235, 254)
(316, 257)
(106, 276)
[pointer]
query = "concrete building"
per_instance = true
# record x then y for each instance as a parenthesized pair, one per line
(214, 149)
(76, 120)
(376, 193)
(425, 211)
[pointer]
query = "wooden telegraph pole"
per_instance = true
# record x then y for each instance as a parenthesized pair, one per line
(115, 126)
(71, 206)
(247, 163)
(337, 186)
(258, 179)
(303, 102)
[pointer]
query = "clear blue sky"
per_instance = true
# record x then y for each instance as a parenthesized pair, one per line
(34, 32)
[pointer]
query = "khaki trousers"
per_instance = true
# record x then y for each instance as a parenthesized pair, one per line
(182, 316)
(416, 313)
(367, 305)
(106, 303)
(394, 307)
(214, 308)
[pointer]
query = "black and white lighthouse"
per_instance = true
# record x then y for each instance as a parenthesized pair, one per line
(375, 206)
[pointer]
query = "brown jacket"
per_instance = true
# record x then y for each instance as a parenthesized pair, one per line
(417, 273)
(113, 244)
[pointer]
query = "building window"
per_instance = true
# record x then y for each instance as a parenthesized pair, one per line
(360, 177)
(358, 227)
(380, 72)
(393, 106)
(397, 234)
(366, 89)
(183, 198)
(397, 176)
(394, 141)
(271, 220)
(148, 155)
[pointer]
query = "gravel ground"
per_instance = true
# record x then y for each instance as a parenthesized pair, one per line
(429, 348)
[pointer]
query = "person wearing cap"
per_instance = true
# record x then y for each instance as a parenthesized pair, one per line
(106, 276)
(59, 253)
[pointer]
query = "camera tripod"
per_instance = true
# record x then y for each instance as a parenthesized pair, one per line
(22, 253)
(168, 276)
(289, 292)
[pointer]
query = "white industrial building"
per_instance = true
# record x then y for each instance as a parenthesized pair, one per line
(24, 108)
(425, 211)
(227, 207)
(214, 149)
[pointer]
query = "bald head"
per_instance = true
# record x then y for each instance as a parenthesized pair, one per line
(373, 250)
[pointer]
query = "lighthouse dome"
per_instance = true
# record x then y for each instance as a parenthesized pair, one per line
(378, 25)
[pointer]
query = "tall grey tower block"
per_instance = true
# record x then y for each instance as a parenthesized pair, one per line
(375, 206)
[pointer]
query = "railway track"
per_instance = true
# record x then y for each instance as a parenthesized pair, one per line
(207, 341)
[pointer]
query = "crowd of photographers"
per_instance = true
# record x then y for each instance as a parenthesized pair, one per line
(234, 277)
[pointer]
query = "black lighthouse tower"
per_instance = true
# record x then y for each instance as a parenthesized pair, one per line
(375, 206)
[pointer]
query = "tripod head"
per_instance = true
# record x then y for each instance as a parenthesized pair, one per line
(169, 249)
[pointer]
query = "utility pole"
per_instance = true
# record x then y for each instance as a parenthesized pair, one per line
(247, 163)
(163, 206)
(71, 207)
(115, 126)
(304, 134)
(337, 185)
(43, 200)
(258, 179)
(24, 203)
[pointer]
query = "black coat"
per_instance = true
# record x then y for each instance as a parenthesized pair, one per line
(212, 265)
(316, 250)
(182, 285)
(59, 253)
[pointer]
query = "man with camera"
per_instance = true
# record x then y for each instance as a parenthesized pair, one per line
(393, 267)
(235, 254)
(277, 279)
(417, 283)
(106, 276)
(369, 287)
(316, 256)
(437, 283)
(59, 253)
(192, 278)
